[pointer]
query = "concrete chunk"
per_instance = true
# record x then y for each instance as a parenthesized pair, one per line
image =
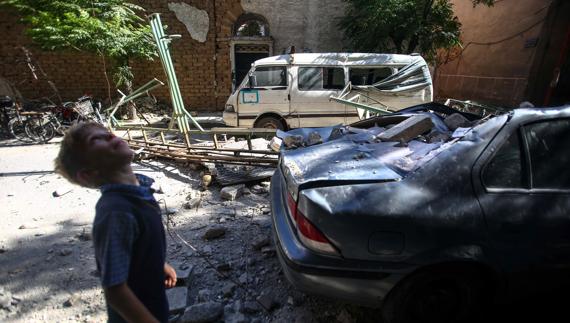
(202, 313)
(407, 129)
(455, 121)
(177, 299)
(231, 193)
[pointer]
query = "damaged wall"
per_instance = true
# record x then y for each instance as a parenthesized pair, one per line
(499, 50)
(306, 24)
(201, 58)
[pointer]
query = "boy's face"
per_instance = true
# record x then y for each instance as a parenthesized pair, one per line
(105, 151)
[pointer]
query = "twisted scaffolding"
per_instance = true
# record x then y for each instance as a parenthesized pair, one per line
(178, 141)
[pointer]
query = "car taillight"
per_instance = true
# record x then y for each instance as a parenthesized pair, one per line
(309, 235)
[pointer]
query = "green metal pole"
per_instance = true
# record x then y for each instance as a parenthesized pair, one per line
(162, 41)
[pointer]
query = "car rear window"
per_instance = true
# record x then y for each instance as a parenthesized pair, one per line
(549, 153)
(506, 168)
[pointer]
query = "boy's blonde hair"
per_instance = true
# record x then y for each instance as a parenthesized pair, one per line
(71, 157)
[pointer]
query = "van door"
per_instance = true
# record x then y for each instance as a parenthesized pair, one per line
(311, 89)
(268, 94)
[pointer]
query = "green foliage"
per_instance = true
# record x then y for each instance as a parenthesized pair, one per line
(402, 26)
(111, 28)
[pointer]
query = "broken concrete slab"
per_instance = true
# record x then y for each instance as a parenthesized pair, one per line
(177, 299)
(407, 129)
(455, 121)
(314, 139)
(294, 141)
(183, 273)
(231, 193)
(267, 300)
(202, 313)
(193, 203)
(228, 289)
(214, 233)
(260, 243)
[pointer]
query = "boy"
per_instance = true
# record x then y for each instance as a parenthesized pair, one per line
(127, 231)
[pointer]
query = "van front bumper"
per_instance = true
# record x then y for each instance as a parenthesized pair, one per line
(230, 118)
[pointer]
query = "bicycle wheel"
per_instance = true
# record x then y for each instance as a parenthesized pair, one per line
(17, 129)
(40, 130)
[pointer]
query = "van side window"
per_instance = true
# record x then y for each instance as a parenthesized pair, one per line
(270, 76)
(368, 76)
(321, 78)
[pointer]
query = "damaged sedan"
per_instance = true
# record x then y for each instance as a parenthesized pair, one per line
(428, 213)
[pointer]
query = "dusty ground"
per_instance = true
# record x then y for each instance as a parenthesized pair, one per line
(48, 269)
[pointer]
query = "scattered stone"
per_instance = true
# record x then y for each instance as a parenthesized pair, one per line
(170, 211)
(22, 227)
(227, 211)
(243, 279)
(192, 195)
(260, 243)
(258, 189)
(267, 300)
(202, 313)
(268, 251)
(193, 203)
(177, 299)
(293, 141)
(230, 193)
(314, 139)
(207, 250)
(5, 299)
(85, 236)
(266, 210)
(455, 121)
(228, 289)
(214, 233)
(61, 191)
(65, 252)
(345, 317)
(71, 301)
(224, 267)
(296, 299)
(246, 191)
(251, 307)
(222, 220)
(275, 144)
(235, 318)
(183, 273)
(203, 296)
(206, 180)
(265, 184)
(438, 137)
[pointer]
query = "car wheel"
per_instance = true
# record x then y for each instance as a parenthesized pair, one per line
(270, 123)
(438, 296)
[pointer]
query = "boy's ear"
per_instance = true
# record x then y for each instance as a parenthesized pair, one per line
(86, 177)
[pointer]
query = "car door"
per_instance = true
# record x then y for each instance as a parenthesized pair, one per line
(523, 186)
(270, 93)
(310, 97)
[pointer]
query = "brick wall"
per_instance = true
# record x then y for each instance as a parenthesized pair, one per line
(203, 69)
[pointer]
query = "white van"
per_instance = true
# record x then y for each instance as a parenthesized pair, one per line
(292, 91)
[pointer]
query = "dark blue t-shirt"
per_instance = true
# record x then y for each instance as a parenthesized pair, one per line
(130, 245)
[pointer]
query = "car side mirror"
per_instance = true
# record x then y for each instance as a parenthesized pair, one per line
(252, 81)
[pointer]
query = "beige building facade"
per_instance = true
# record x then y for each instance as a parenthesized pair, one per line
(512, 52)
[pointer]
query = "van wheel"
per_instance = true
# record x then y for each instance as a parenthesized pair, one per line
(455, 295)
(270, 123)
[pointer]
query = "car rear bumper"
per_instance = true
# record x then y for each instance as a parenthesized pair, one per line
(329, 276)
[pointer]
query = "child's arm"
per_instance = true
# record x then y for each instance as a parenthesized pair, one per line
(125, 302)
(169, 276)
